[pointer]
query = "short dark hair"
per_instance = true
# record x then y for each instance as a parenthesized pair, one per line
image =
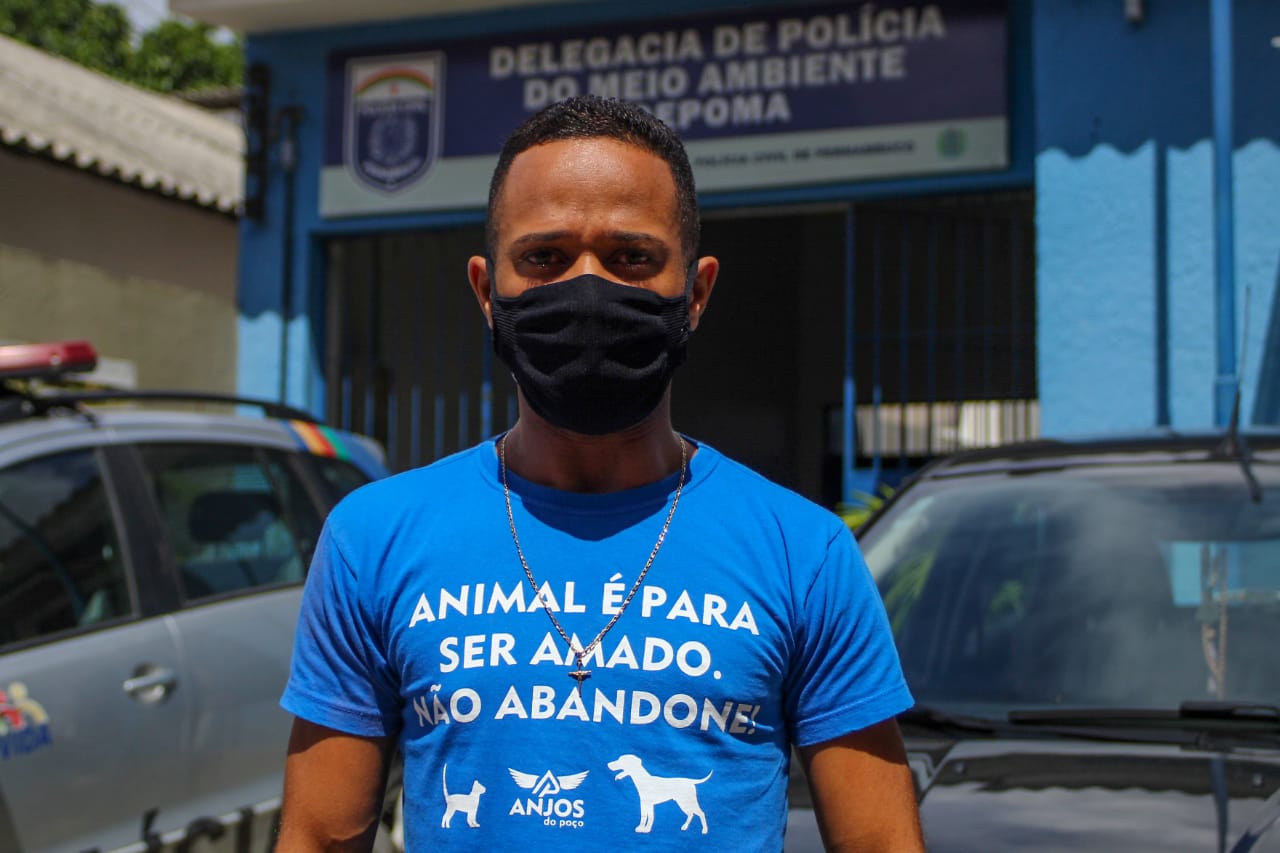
(593, 117)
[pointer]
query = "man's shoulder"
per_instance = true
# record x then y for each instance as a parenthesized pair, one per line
(756, 493)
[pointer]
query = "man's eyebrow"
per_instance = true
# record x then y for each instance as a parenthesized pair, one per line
(634, 237)
(538, 237)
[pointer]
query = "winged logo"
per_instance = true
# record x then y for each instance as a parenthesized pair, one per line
(548, 783)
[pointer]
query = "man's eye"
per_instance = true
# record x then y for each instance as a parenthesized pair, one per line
(540, 258)
(634, 258)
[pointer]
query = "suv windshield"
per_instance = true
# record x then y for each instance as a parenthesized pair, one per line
(1117, 585)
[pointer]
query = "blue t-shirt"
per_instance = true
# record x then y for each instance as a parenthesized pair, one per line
(757, 627)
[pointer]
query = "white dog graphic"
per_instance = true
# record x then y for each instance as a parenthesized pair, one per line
(654, 790)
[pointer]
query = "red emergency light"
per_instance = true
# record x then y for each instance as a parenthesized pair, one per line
(46, 361)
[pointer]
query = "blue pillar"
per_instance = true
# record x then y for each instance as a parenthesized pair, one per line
(848, 448)
(1226, 381)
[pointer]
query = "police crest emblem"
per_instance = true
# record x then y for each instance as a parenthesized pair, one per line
(394, 119)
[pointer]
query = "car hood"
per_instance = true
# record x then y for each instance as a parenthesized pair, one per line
(1048, 795)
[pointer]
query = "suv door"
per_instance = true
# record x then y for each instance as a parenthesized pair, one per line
(92, 709)
(241, 523)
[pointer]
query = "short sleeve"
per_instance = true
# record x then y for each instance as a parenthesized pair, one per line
(339, 677)
(845, 673)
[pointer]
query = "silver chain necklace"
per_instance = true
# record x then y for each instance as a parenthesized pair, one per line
(579, 674)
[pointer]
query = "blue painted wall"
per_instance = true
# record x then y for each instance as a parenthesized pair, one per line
(298, 61)
(1124, 183)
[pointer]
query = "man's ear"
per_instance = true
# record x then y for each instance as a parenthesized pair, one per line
(479, 274)
(703, 282)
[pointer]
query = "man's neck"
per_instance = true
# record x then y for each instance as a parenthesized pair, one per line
(573, 462)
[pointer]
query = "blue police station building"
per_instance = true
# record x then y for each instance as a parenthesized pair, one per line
(941, 224)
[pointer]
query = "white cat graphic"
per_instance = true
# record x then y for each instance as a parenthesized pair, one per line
(468, 804)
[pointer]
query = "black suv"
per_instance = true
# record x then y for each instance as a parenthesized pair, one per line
(1092, 632)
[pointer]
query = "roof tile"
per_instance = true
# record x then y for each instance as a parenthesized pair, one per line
(51, 106)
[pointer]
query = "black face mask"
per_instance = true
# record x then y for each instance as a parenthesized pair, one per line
(591, 355)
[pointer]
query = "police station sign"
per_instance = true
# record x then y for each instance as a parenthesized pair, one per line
(763, 98)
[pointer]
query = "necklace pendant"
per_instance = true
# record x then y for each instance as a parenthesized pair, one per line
(580, 675)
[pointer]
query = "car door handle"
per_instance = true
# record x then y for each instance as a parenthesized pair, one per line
(151, 684)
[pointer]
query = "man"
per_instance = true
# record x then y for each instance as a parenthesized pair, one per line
(592, 631)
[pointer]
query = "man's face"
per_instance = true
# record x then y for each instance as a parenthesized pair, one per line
(598, 206)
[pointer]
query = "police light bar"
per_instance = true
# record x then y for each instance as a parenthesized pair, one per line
(46, 361)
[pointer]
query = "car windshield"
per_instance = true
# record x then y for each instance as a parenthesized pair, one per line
(1117, 585)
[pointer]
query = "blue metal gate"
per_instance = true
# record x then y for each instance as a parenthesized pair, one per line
(940, 332)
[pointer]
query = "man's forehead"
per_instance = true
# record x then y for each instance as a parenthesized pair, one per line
(593, 171)
(620, 148)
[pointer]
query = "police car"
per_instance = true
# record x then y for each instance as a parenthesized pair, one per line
(151, 563)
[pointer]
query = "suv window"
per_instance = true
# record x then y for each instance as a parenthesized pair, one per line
(237, 517)
(60, 561)
(1117, 585)
(339, 477)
